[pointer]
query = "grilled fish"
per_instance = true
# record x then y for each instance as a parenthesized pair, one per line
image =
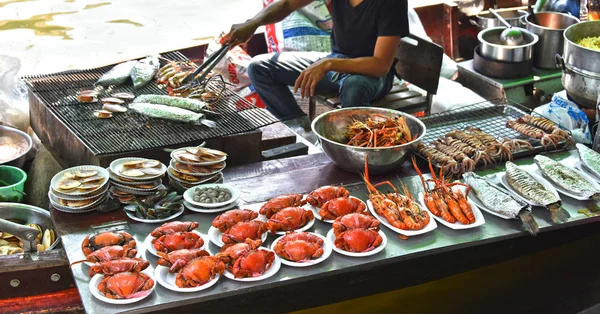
(501, 202)
(183, 103)
(566, 178)
(528, 187)
(119, 74)
(589, 157)
(144, 71)
(170, 113)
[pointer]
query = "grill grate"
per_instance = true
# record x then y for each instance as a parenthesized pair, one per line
(489, 116)
(130, 131)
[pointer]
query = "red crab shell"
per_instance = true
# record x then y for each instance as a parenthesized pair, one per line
(173, 227)
(231, 252)
(227, 219)
(298, 247)
(280, 202)
(177, 259)
(358, 240)
(241, 231)
(177, 241)
(341, 206)
(322, 195)
(199, 271)
(121, 265)
(108, 253)
(354, 221)
(253, 263)
(126, 285)
(290, 218)
(104, 239)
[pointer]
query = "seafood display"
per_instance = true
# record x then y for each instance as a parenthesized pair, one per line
(177, 259)
(243, 230)
(140, 168)
(174, 227)
(173, 73)
(126, 285)
(119, 74)
(280, 202)
(501, 202)
(104, 239)
(112, 267)
(324, 194)
(299, 247)
(590, 158)
(199, 271)
(82, 180)
(78, 189)
(212, 195)
(379, 131)
(289, 219)
(160, 205)
(10, 244)
(357, 233)
(192, 166)
(178, 241)
(530, 188)
(228, 219)
(11, 147)
(544, 130)
(253, 263)
(444, 201)
(566, 178)
(108, 253)
(341, 206)
(400, 211)
(144, 70)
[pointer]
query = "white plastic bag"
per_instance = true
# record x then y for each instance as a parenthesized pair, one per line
(451, 95)
(568, 116)
(14, 104)
(233, 67)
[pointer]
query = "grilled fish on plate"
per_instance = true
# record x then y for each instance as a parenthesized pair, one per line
(590, 158)
(566, 178)
(531, 189)
(496, 200)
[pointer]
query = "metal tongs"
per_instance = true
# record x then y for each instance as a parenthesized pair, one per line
(24, 233)
(206, 66)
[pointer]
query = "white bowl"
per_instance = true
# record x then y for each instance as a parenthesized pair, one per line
(188, 196)
(327, 249)
(331, 238)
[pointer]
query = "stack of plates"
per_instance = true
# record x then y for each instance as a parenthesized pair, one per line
(79, 189)
(192, 166)
(134, 176)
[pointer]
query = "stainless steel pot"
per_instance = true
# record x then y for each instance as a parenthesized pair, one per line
(25, 214)
(580, 65)
(492, 47)
(550, 31)
(16, 135)
(488, 20)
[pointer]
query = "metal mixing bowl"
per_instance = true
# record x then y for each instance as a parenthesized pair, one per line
(331, 128)
(16, 136)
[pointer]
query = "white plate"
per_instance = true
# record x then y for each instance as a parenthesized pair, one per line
(327, 249)
(128, 188)
(150, 247)
(117, 165)
(167, 280)
(196, 174)
(59, 176)
(502, 178)
(216, 236)
(210, 210)
(318, 216)
(304, 228)
(270, 272)
(201, 181)
(95, 292)
(207, 163)
(136, 192)
(331, 238)
(81, 197)
(54, 200)
(409, 233)
(188, 196)
(568, 193)
(155, 221)
(479, 219)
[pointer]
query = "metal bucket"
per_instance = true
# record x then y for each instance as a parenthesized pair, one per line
(493, 49)
(550, 31)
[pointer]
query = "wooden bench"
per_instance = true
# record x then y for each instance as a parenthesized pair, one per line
(419, 62)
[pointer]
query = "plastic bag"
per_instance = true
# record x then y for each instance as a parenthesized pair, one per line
(233, 67)
(14, 104)
(596, 144)
(446, 96)
(568, 116)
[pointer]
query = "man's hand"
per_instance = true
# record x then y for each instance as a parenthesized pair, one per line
(308, 79)
(239, 33)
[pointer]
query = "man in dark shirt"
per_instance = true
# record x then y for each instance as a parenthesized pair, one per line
(363, 43)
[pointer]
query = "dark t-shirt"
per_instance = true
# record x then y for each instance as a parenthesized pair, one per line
(355, 29)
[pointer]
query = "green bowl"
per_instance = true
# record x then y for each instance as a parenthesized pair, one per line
(15, 178)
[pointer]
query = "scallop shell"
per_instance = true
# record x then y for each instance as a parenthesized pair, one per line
(87, 98)
(86, 173)
(103, 114)
(93, 179)
(132, 173)
(133, 164)
(188, 157)
(79, 203)
(123, 95)
(114, 108)
(151, 171)
(68, 184)
(151, 164)
(69, 175)
(112, 100)
(88, 186)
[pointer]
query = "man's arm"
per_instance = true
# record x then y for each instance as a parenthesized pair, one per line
(275, 12)
(377, 66)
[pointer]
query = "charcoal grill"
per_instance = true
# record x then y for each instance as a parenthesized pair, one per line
(79, 137)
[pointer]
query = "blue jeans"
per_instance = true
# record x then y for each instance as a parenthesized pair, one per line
(272, 74)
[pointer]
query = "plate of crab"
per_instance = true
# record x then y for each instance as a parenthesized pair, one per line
(302, 249)
(173, 236)
(237, 225)
(248, 261)
(448, 202)
(330, 202)
(188, 270)
(400, 212)
(121, 281)
(106, 246)
(284, 213)
(357, 235)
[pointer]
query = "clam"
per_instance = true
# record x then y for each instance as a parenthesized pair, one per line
(123, 95)
(125, 199)
(89, 92)
(68, 184)
(151, 171)
(189, 157)
(133, 164)
(49, 238)
(112, 100)
(63, 202)
(193, 151)
(79, 203)
(87, 98)
(6, 235)
(146, 186)
(88, 187)
(86, 173)
(69, 175)
(151, 164)
(103, 114)
(38, 239)
(8, 250)
(214, 152)
(114, 108)
(132, 173)
(41, 248)
(93, 179)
